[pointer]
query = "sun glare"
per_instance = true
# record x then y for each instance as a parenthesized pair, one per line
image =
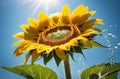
(45, 4)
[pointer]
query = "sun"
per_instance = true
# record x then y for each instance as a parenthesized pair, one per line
(36, 4)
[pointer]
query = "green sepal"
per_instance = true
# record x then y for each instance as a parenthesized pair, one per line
(71, 54)
(35, 71)
(47, 57)
(81, 46)
(92, 36)
(101, 71)
(98, 45)
(78, 49)
(57, 59)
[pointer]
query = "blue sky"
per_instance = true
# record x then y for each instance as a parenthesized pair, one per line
(13, 13)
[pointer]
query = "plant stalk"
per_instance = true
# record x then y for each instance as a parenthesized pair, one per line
(67, 68)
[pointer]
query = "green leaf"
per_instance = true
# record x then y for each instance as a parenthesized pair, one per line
(101, 71)
(35, 71)
(98, 45)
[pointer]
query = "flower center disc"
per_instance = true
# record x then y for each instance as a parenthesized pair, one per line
(58, 35)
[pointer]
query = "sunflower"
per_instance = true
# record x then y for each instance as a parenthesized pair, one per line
(57, 35)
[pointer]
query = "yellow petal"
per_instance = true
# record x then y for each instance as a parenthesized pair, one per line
(66, 11)
(27, 57)
(65, 46)
(90, 23)
(60, 53)
(73, 42)
(19, 35)
(41, 48)
(65, 19)
(75, 19)
(35, 55)
(33, 22)
(29, 36)
(90, 31)
(24, 27)
(30, 46)
(25, 46)
(26, 36)
(77, 11)
(44, 21)
(33, 31)
(85, 11)
(18, 42)
(18, 51)
(85, 17)
(44, 25)
(55, 17)
(29, 29)
(65, 14)
(77, 14)
(43, 16)
(85, 42)
(92, 13)
(49, 49)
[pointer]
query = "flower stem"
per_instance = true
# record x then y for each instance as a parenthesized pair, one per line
(67, 68)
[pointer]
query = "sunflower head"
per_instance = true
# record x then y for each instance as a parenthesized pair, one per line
(57, 35)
